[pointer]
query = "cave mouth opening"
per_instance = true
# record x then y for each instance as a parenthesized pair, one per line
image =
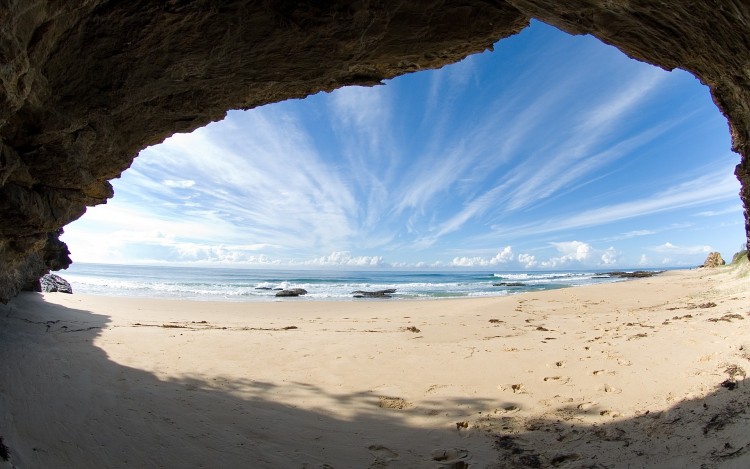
(525, 200)
(554, 151)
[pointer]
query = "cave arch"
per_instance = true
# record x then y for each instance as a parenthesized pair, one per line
(85, 85)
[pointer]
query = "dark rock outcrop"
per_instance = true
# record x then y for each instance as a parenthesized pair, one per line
(636, 274)
(713, 259)
(386, 293)
(292, 292)
(51, 283)
(509, 284)
(85, 85)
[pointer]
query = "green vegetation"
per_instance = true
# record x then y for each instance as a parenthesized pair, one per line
(740, 264)
(740, 257)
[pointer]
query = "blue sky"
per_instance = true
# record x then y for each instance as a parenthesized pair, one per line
(552, 152)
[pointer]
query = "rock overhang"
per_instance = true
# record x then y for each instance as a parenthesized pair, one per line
(86, 85)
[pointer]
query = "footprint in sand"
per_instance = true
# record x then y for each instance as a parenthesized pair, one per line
(609, 413)
(557, 379)
(516, 388)
(620, 361)
(609, 389)
(393, 403)
(453, 458)
(604, 372)
(383, 455)
(586, 406)
(507, 408)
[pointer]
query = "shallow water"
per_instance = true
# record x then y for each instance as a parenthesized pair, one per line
(225, 284)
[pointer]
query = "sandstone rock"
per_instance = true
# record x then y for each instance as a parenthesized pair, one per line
(85, 85)
(292, 292)
(714, 259)
(54, 283)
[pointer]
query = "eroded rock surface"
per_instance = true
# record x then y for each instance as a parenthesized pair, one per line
(50, 283)
(85, 85)
(714, 259)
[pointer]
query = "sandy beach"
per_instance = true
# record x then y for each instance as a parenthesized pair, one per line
(643, 373)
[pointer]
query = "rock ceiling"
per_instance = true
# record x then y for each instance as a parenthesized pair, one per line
(86, 84)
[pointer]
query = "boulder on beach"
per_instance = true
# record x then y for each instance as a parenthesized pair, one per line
(714, 259)
(50, 283)
(292, 292)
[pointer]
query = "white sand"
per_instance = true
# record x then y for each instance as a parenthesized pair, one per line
(618, 375)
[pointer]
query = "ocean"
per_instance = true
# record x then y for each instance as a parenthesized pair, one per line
(226, 284)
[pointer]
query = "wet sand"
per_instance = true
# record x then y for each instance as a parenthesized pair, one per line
(643, 373)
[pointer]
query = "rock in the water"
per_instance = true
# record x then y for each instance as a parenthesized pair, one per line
(508, 284)
(54, 283)
(374, 294)
(714, 259)
(292, 292)
(636, 274)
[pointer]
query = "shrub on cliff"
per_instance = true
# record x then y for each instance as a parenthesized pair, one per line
(739, 257)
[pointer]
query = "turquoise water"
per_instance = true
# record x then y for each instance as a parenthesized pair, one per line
(253, 284)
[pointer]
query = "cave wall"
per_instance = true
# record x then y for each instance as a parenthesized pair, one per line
(86, 84)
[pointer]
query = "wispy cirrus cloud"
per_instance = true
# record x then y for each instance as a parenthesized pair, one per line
(551, 137)
(559, 164)
(647, 232)
(265, 184)
(669, 248)
(714, 186)
(735, 209)
(180, 184)
(586, 146)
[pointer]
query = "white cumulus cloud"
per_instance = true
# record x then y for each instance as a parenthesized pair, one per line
(609, 256)
(502, 257)
(527, 260)
(571, 251)
(581, 253)
(345, 258)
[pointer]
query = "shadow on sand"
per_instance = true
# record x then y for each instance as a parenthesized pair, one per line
(64, 403)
